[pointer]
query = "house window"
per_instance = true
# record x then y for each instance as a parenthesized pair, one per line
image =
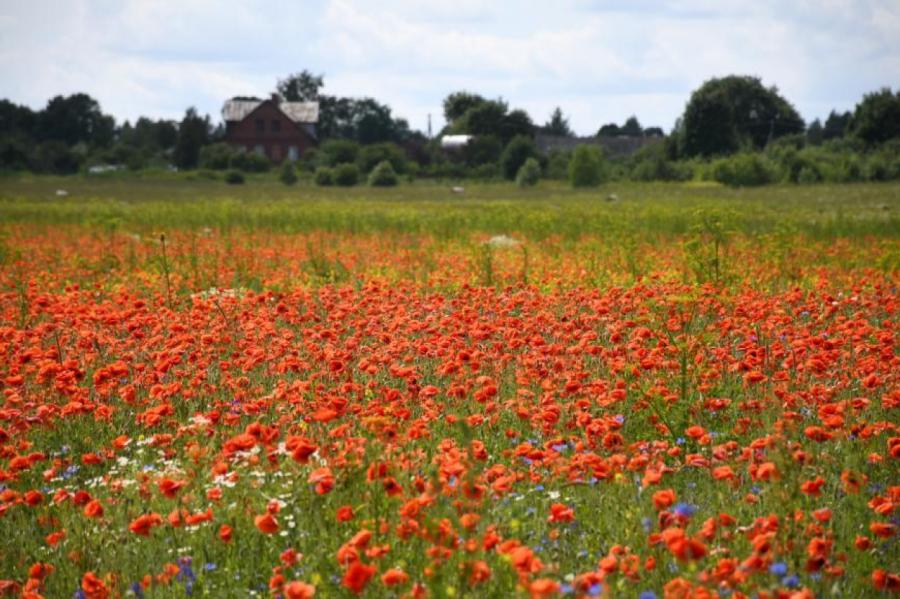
(293, 153)
(276, 125)
(259, 149)
(260, 125)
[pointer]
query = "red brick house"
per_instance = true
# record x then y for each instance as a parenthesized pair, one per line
(277, 130)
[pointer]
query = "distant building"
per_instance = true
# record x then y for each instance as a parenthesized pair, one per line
(454, 142)
(277, 130)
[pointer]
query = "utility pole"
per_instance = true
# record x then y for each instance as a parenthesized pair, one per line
(429, 125)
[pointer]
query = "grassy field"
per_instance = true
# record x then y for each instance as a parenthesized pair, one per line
(633, 391)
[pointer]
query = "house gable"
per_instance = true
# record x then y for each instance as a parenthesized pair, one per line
(267, 130)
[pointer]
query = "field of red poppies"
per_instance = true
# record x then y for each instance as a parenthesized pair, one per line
(247, 411)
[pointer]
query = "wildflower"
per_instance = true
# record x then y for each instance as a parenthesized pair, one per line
(357, 577)
(266, 523)
(144, 523)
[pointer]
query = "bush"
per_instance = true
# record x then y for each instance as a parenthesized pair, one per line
(486, 171)
(373, 155)
(249, 162)
(651, 163)
(517, 151)
(585, 167)
(338, 151)
(346, 175)
(383, 175)
(287, 175)
(56, 157)
(558, 165)
(216, 156)
(744, 170)
(234, 177)
(324, 176)
(529, 173)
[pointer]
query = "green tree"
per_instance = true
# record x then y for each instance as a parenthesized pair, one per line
(517, 151)
(632, 127)
(836, 125)
(877, 117)
(482, 149)
(75, 119)
(609, 130)
(585, 167)
(458, 103)
(193, 134)
(815, 133)
(734, 112)
(558, 124)
(301, 87)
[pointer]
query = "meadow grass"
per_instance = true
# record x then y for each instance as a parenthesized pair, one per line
(613, 329)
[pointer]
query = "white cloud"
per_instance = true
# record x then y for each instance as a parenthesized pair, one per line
(600, 61)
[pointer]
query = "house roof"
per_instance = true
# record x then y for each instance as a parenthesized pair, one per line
(299, 112)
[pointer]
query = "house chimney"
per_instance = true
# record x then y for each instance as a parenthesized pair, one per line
(276, 98)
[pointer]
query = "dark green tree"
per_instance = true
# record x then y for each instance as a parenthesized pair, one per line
(75, 119)
(517, 122)
(558, 124)
(632, 127)
(458, 103)
(836, 125)
(517, 151)
(193, 134)
(301, 87)
(734, 112)
(609, 130)
(16, 119)
(877, 117)
(815, 133)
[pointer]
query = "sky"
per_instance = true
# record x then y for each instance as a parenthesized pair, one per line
(600, 61)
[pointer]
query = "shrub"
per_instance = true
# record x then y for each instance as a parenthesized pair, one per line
(234, 177)
(585, 167)
(338, 151)
(287, 175)
(346, 175)
(529, 173)
(373, 155)
(216, 156)
(249, 162)
(486, 171)
(383, 175)
(517, 151)
(324, 176)
(558, 165)
(743, 170)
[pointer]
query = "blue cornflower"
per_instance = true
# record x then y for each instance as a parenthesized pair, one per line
(685, 510)
(778, 569)
(647, 595)
(791, 581)
(137, 589)
(595, 589)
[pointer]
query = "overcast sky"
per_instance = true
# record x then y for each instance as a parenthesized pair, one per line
(601, 61)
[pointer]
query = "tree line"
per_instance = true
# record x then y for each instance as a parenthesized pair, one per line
(731, 126)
